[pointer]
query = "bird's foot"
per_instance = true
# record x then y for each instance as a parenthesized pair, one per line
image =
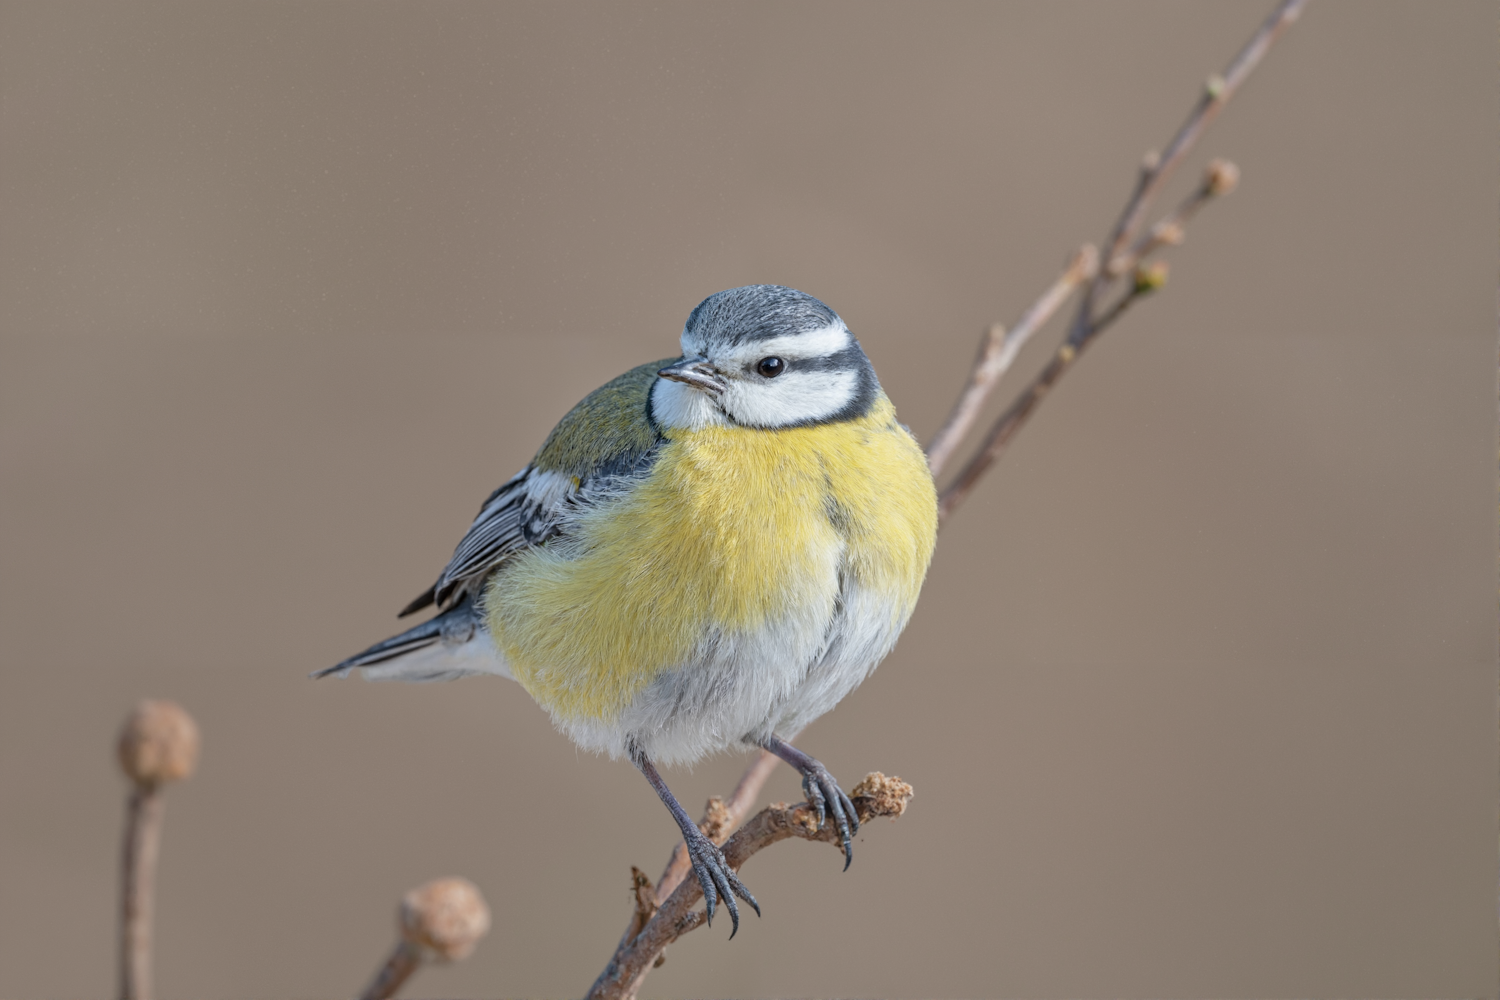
(716, 878)
(825, 795)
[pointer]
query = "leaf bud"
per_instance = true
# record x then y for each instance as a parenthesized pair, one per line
(1221, 177)
(1150, 277)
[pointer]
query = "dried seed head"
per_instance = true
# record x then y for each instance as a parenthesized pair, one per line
(886, 796)
(1150, 277)
(1221, 177)
(158, 744)
(446, 917)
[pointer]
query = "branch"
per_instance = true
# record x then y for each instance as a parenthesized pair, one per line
(997, 352)
(1127, 252)
(1216, 93)
(875, 796)
(143, 821)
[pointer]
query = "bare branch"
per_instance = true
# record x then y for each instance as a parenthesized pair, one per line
(1221, 178)
(404, 960)
(1216, 93)
(997, 352)
(143, 822)
(875, 796)
(1125, 250)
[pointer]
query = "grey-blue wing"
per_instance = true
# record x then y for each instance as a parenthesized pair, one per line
(511, 519)
(609, 435)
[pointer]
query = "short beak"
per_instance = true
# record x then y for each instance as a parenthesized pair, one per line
(698, 373)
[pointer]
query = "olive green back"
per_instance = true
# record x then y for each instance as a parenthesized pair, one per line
(608, 431)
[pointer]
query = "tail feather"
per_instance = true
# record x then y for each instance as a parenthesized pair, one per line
(447, 646)
(425, 599)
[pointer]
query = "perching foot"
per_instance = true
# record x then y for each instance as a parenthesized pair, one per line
(823, 793)
(715, 877)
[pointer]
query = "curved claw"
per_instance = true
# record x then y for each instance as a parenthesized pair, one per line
(814, 797)
(825, 795)
(718, 881)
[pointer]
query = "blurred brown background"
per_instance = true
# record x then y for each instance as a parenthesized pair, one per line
(1200, 699)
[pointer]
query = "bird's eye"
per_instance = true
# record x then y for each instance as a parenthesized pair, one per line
(771, 367)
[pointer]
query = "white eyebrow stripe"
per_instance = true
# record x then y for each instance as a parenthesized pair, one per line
(813, 344)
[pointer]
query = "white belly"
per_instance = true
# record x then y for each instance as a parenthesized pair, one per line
(741, 689)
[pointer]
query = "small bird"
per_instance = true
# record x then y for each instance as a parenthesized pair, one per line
(707, 553)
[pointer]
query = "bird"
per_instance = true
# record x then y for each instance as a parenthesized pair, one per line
(706, 554)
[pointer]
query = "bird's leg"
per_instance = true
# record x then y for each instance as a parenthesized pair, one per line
(715, 876)
(823, 793)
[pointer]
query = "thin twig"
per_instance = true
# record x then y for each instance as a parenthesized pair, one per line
(875, 796)
(1216, 93)
(997, 352)
(1219, 179)
(143, 822)
(404, 960)
(1125, 250)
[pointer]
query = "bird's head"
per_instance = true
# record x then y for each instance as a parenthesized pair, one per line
(764, 356)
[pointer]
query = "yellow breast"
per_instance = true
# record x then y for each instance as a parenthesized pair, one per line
(731, 530)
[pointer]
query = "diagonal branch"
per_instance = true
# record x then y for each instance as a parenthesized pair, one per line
(997, 352)
(1126, 251)
(1216, 93)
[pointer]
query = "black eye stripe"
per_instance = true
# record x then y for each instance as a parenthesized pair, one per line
(850, 358)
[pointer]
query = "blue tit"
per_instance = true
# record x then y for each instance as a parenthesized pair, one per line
(707, 553)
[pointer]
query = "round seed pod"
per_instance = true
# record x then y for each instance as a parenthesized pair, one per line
(158, 744)
(446, 917)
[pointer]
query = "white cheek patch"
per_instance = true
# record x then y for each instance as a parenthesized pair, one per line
(793, 398)
(676, 405)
